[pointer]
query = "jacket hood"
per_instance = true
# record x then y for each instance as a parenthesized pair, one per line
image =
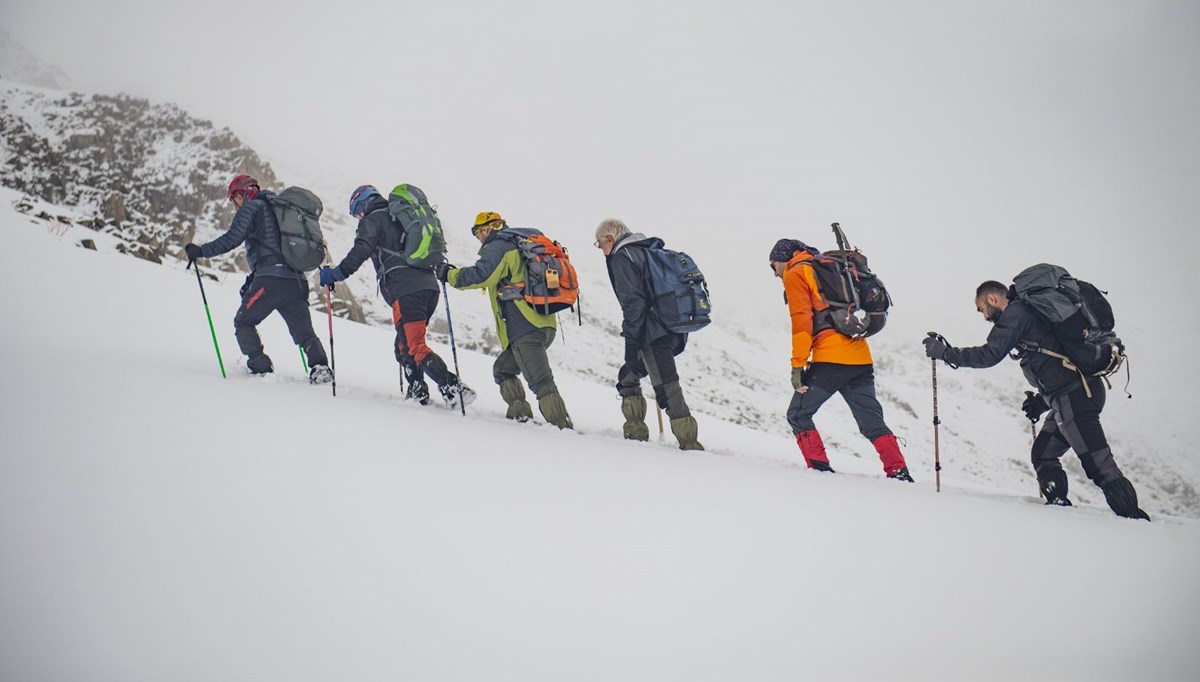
(375, 202)
(636, 239)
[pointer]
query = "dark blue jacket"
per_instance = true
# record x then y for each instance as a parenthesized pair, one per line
(254, 224)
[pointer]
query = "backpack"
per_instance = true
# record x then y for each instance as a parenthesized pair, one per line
(298, 212)
(423, 244)
(678, 289)
(1080, 316)
(855, 300)
(551, 284)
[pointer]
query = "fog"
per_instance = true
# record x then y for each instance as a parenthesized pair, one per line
(955, 142)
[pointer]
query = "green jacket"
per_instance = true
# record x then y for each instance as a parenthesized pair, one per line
(499, 265)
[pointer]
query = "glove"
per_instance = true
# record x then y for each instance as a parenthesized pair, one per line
(800, 376)
(442, 271)
(633, 359)
(936, 347)
(193, 252)
(330, 276)
(1034, 406)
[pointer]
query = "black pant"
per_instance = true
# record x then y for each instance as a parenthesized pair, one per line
(659, 358)
(260, 298)
(1074, 423)
(411, 314)
(856, 383)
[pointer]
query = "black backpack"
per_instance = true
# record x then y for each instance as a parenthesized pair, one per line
(298, 212)
(1079, 314)
(856, 300)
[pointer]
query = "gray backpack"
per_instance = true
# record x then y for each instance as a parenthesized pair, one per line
(298, 212)
(1082, 319)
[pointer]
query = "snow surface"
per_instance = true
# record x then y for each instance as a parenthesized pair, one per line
(158, 522)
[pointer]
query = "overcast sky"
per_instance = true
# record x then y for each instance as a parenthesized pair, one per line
(955, 141)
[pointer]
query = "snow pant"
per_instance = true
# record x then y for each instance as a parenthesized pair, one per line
(1073, 423)
(526, 355)
(856, 384)
(261, 297)
(410, 315)
(659, 358)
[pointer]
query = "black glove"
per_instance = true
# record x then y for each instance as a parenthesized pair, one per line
(936, 347)
(193, 252)
(633, 359)
(1034, 406)
(442, 271)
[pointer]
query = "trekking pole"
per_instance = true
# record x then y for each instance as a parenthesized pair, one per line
(843, 243)
(1033, 440)
(454, 350)
(209, 316)
(937, 461)
(658, 409)
(332, 364)
(303, 358)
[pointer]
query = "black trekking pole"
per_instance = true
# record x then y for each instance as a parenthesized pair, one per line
(454, 351)
(332, 364)
(1033, 439)
(937, 461)
(209, 316)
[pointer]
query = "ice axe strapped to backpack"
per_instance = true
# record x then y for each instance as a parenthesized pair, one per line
(855, 299)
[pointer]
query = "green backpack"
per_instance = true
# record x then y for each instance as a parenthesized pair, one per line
(423, 244)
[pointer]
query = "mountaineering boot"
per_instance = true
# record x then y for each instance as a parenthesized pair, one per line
(1122, 499)
(893, 461)
(513, 393)
(259, 365)
(634, 409)
(1053, 482)
(416, 389)
(555, 410)
(813, 449)
(454, 390)
(685, 430)
(320, 374)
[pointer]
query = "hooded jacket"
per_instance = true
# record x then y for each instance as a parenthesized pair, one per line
(500, 264)
(803, 298)
(255, 225)
(631, 283)
(376, 230)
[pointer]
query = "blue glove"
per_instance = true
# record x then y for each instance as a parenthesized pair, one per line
(330, 276)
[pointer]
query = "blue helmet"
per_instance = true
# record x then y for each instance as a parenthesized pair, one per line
(358, 198)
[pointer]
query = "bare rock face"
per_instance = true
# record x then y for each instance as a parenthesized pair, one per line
(150, 174)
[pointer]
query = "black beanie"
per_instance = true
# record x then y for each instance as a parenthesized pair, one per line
(784, 249)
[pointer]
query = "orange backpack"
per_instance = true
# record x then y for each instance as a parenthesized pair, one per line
(551, 284)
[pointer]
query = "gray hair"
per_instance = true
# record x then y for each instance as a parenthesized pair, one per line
(611, 227)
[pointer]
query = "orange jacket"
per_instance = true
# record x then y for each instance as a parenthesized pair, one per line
(800, 285)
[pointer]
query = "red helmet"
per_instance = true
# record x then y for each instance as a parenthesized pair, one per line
(243, 184)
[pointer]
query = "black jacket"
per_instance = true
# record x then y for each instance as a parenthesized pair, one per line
(254, 223)
(377, 230)
(1019, 323)
(631, 283)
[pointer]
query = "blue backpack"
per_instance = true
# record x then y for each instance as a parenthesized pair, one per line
(679, 290)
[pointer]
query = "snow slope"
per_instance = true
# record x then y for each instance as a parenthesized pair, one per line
(158, 522)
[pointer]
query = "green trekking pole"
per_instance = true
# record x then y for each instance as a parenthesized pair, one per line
(209, 316)
(303, 358)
